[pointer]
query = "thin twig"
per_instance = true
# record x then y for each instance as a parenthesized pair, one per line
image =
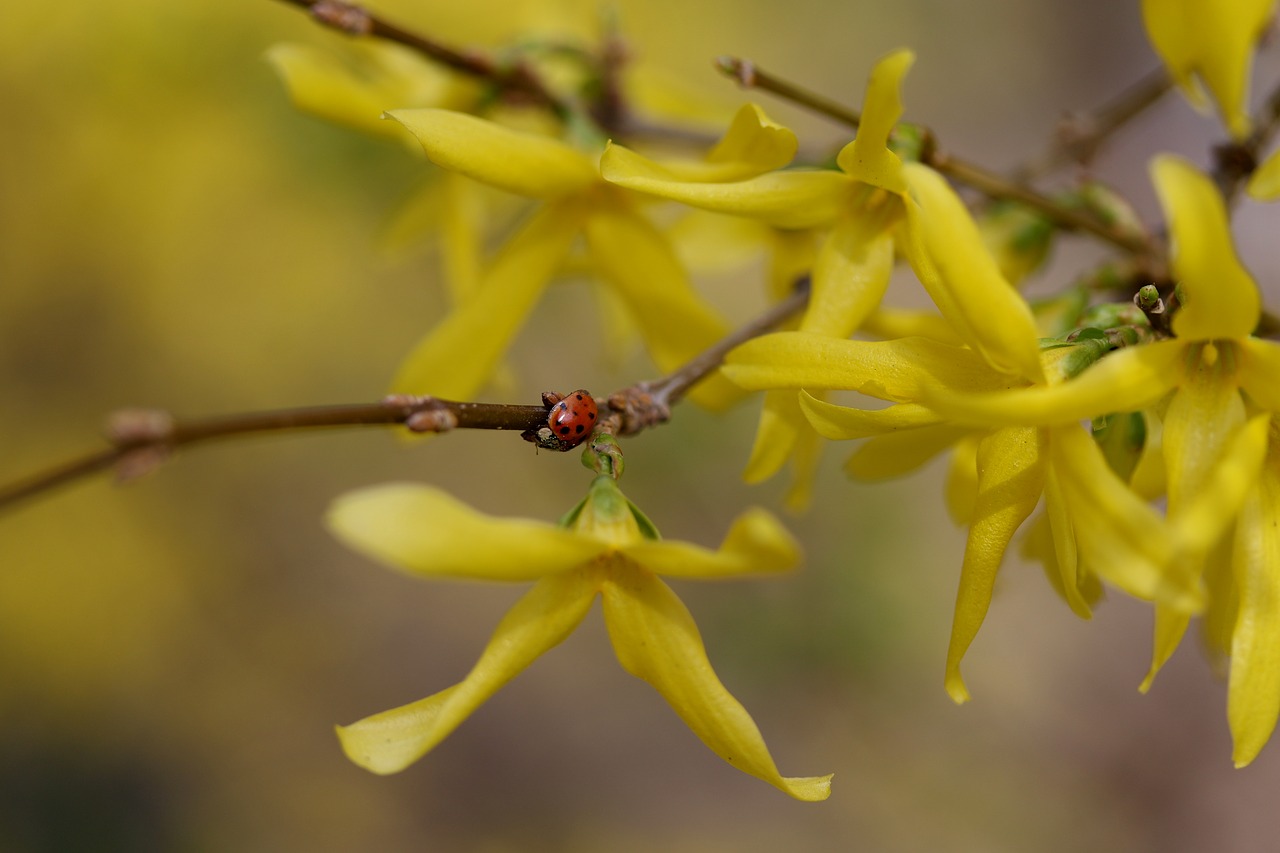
(355, 20)
(751, 77)
(141, 439)
(1080, 135)
(648, 404)
(987, 182)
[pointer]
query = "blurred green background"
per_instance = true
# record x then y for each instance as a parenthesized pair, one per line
(173, 654)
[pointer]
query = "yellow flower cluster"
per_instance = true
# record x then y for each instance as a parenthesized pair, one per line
(978, 380)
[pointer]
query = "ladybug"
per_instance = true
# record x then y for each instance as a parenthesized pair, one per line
(572, 418)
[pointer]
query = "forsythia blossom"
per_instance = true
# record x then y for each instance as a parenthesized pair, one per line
(623, 248)
(1216, 387)
(1098, 526)
(604, 547)
(858, 206)
(1210, 42)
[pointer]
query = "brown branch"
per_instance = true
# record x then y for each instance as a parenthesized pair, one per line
(143, 438)
(648, 404)
(1081, 134)
(748, 76)
(987, 182)
(356, 21)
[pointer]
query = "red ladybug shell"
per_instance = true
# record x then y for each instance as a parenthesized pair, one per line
(572, 419)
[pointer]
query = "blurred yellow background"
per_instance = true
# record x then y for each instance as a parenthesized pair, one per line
(174, 653)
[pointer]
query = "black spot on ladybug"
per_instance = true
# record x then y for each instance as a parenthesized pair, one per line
(591, 415)
(564, 430)
(578, 429)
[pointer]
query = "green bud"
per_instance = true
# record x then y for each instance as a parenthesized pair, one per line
(1147, 298)
(603, 455)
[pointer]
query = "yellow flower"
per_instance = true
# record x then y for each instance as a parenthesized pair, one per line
(1210, 380)
(1253, 688)
(356, 87)
(858, 204)
(1210, 42)
(1099, 526)
(623, 249)
(609, 548)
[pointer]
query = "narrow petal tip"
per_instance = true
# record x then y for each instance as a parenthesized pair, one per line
(808, 789)
(957, 690)
(354, 745)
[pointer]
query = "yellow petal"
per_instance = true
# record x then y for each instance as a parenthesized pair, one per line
(889, 323)
(868, 157)
(804, 471)
(1213, 41)
(1119, 536)
(522, 163)
(1253, 690)
(462, 246)
(459, 356)
(1205, 514)
(891, 370)
(948, 256)
(1260, 371)
(1127, 380)
(1052, 539)
(714, 243)
(1148, 478)
(961, 489)
(1061, 559)
(1170, 627)
(674, 321)
(355, 91)
(781, 425)
(1200, 422)
(791, 199)
(656, 640)
(753, 145)
(427, 532)
(1265, 183)
(850, 275)
(1010, 481)
(840, 423)
(392, 740)
(1220, 299)
(1218, 619)
(896, 454)
(756, 543)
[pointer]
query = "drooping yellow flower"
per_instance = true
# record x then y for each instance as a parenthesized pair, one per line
(1210, 42)
(623, 248)
(604, 547)
(1211, 379)
(859, 205)
(1098, 525)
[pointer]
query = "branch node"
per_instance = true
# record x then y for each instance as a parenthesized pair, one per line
(348, 17)
(639, 409)
(128, 428)
(741, 70)
(140, 461)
